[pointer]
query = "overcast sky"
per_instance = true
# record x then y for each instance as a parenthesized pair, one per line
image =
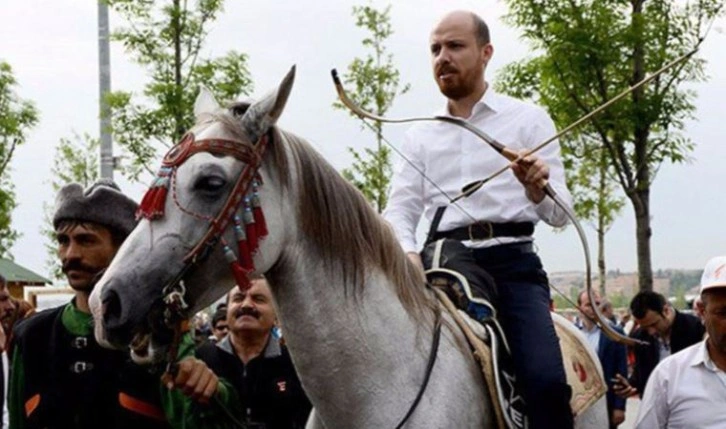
(52, 47)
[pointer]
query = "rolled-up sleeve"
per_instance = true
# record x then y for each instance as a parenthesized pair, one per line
(542, 129)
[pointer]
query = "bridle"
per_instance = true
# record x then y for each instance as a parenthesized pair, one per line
(249, 227)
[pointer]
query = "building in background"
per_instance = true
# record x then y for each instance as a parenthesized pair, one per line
(18, 277)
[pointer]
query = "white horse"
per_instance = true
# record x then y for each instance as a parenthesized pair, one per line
(356, 316)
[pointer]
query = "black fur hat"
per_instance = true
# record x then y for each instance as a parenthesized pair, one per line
(102, 203)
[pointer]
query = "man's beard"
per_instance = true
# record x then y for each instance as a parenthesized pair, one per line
(456, 90)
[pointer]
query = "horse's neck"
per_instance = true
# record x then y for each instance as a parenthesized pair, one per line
(355, 348)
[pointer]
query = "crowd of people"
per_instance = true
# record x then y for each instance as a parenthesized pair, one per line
(678, 371)
(237, 365)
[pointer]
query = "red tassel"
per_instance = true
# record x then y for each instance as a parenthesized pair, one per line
(159, 202)
(240, 276)
(146, 207)
(154, 201)
(252, 242)
(260, 224)
(245, 255)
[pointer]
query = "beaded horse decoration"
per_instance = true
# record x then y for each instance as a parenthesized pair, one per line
(249, 227)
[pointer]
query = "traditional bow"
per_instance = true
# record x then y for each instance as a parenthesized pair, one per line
(474, 186)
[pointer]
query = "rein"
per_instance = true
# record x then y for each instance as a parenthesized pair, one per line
(429, 368)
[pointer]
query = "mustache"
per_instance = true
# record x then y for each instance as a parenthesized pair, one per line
(76, 265)
(246, 311)
(445, 68)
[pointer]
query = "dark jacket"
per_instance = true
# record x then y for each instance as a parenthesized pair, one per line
(686, 331)
(269, 389)
(614, 360)
(64, 380)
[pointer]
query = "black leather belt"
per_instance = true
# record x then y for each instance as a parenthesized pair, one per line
(484, 230)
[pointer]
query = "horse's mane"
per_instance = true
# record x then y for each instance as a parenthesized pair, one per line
(344, 229)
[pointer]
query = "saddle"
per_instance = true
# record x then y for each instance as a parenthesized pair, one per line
(460, 284)
(469, 298)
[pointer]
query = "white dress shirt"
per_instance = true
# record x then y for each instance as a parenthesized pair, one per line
(593, 337)
(685, 391)
(453, 157)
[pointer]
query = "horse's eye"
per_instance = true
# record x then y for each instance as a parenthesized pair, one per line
(210, 184)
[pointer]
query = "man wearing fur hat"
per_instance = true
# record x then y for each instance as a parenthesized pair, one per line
(62, 378)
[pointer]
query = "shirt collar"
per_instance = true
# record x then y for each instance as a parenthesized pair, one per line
(702, 357)
(491, 101)
(272, 348)
(594, 329)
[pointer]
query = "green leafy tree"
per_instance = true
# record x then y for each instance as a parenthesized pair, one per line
(376, 84)
(595, 197)
(7, 204)
(76, 161)
(166, 38)
(586, 52)
(17, 117)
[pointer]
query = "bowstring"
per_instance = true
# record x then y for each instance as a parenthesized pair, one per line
(450, 200)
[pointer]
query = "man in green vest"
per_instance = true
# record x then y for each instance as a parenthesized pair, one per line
(62, 378)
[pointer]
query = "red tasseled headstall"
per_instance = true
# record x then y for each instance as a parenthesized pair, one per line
(154, 201)
(240, 275)
(250, 226)
(245, 255)
(259, 218)
(243, 246)
(249, 231)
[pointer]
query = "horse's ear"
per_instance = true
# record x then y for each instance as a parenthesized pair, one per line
(205, 103)
(264, 113)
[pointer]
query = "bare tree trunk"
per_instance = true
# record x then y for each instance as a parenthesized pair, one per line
(643, 232)
(601, 257)
(601, 222)
(640, 193)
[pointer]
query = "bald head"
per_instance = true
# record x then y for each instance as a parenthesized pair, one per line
(465, 18)
(584, 296)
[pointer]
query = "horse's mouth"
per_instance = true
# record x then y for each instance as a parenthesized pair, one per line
(146, 349)
(140, 345)
(151, 341)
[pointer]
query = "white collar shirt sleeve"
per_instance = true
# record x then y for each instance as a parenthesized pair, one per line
(452, 157)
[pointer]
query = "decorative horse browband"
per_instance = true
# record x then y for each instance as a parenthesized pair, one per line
(245, 192)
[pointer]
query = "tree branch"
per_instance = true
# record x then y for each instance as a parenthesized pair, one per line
(7, 159)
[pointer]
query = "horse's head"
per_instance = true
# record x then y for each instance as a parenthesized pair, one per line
(202, 227)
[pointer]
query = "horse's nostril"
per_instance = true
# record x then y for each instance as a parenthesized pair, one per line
(111, 308)
(115, 324)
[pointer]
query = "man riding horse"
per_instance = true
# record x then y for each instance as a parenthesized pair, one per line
(496, 223)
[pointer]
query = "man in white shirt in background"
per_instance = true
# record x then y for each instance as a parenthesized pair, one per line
(688, 389)
(613, 356)
(497, 222)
